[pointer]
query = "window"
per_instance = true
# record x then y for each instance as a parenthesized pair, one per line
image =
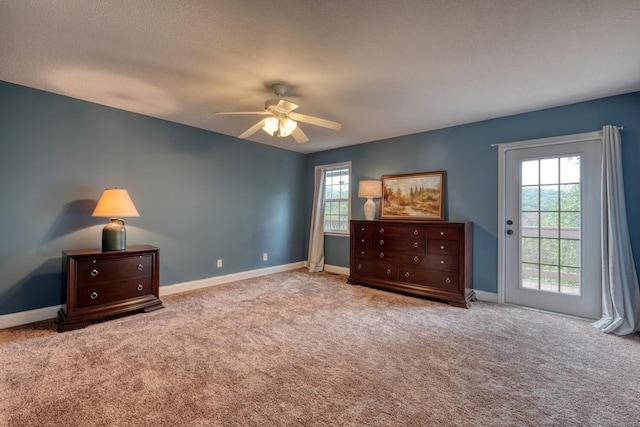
(337, 198)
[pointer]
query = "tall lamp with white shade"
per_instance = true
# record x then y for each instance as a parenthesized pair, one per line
(370, 189)
(115, 203)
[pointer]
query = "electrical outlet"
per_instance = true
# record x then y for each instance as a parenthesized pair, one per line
(265, 256)
(219, 263)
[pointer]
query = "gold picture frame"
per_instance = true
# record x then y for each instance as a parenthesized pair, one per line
(413, 196)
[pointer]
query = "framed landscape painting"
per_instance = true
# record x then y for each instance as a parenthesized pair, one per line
(413, 196)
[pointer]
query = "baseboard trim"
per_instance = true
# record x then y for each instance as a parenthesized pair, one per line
(23, 317)
(486, 296)
(336, 269)
(234, 277)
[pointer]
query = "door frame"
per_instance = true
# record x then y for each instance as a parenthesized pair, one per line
(502, 150)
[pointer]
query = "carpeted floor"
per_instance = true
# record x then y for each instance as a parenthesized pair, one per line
(299, 349)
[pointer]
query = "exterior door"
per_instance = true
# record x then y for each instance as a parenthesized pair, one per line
(552, 227)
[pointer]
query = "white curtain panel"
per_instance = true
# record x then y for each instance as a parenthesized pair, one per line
(620, 289)
(315, 261)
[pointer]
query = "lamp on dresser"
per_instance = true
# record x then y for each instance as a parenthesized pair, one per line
(370, 189)
(115, 203)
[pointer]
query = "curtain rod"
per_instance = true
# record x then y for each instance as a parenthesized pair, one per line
(502, 143)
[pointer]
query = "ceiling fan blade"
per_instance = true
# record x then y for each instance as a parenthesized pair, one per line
(316, 121)
(240, 112)
(253, 129)
(299, 136)
(288, 106)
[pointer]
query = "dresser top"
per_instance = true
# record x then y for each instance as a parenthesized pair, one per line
(131, 250)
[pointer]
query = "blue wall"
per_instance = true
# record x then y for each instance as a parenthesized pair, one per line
(202, 196)
(465, 153)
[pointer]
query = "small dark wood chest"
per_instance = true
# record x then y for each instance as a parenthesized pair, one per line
(425, 259)
(100, 284)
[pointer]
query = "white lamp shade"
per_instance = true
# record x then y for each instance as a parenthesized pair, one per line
(115, 202)
(370, 188)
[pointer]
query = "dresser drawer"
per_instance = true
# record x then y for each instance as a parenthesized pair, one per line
(375, 269)
(363, 229)
(443, 233)
(413, 244)
(442, 262)
(104, 270)
(365, 253)
(443, 247)
(400, 231)
(445, 280)
(401, 257)
(105, 293)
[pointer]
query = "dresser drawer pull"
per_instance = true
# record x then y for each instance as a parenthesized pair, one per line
(441, 261)
(94, 272)
(361, 252)
(448, 280)
(382, 230)
(140, 267)
(442, 233)
(382, 242)
(381, 254)
(406, 274)
(388, 271)
(94, 295)
(359, 266)
(362, 241)
(415, 245)
(415, 232)
(442, 247)
(140, 287)
(415, 258)
(362, 229)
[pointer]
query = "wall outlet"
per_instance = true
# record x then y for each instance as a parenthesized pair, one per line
(219, 263)
(265, 256)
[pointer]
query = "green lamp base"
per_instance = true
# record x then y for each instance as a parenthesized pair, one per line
(114, 236)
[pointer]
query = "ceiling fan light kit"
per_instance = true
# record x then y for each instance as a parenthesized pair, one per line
(282, 121)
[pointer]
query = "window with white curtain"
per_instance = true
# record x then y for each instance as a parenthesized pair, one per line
(337, 195)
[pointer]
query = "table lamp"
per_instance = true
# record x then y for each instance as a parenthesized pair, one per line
(370, 189)
(115, 203)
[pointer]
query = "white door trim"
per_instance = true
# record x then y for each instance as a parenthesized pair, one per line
(502, 149)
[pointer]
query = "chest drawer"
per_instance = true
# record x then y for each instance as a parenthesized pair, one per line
(400, 231)
(104, 270)
(443, 233)
(443, 247)
(105, 293)
(386, 243)
(363, 252)
(442, 262)
(375, 269)
(407, 258)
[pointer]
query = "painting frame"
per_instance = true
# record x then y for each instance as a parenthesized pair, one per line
(428, 206)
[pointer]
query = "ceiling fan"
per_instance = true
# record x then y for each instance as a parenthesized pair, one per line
(282, 120)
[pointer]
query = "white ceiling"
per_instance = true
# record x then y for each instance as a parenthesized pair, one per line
(382, 68)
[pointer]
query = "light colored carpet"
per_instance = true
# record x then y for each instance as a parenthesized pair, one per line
(310, 350)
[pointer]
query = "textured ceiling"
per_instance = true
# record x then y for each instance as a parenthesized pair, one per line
(381, 68)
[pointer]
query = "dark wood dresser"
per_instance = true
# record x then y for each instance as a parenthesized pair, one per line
(424, 259)
(106, 284)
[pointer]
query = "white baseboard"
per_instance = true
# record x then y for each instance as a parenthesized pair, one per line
(219, 280)
(486, 296)
(23, 317)
(336, 269)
